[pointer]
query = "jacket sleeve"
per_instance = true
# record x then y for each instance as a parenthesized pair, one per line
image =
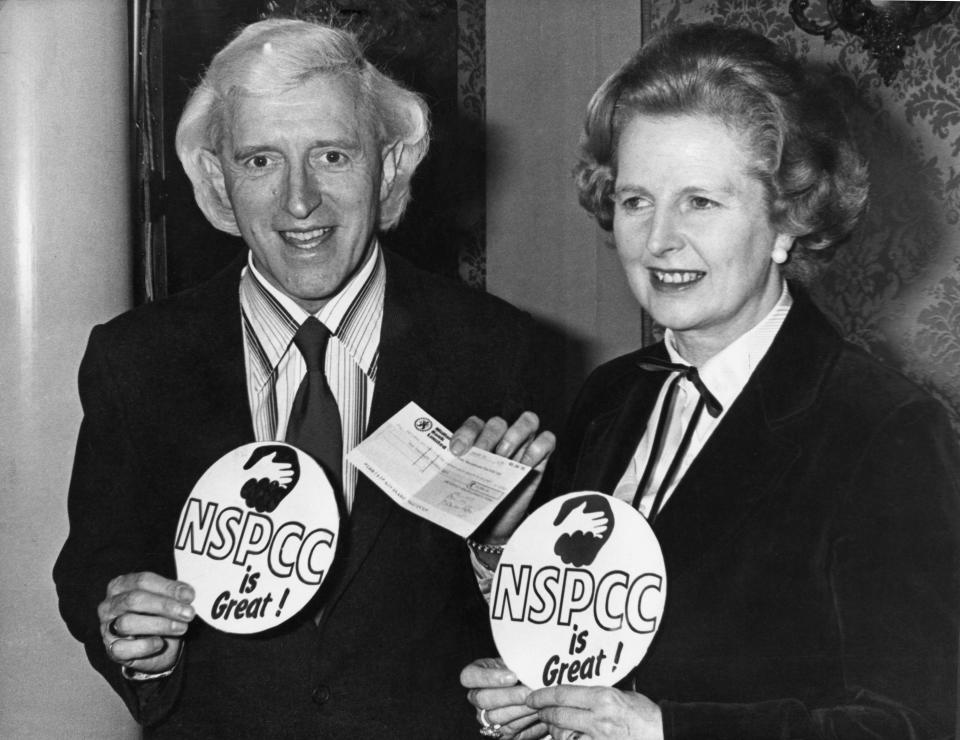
(893, 579)
(106, 529)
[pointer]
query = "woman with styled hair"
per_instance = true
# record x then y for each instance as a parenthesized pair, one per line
(804, 496)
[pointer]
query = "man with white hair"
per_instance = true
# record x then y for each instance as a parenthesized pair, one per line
(297, 144)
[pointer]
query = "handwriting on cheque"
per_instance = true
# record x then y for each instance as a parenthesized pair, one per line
(408, 457)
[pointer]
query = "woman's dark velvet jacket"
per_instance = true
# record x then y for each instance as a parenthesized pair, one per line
(811, 547)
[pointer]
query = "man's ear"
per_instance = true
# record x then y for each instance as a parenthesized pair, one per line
(210, 191)
(390, 160)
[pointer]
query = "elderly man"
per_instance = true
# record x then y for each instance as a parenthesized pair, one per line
(296, 143)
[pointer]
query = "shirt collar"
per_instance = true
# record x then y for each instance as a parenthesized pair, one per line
(353, 315)
(727, 372)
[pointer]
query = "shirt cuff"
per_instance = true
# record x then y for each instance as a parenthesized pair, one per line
(132, 675)
(483, 573)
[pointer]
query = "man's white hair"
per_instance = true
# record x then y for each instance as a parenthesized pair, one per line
(271, 56)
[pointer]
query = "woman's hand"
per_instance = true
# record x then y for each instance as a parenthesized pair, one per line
(596, 713)
(499, 699)
(521, 441)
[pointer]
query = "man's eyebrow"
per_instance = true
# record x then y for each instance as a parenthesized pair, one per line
(347, 144)
(248, 151)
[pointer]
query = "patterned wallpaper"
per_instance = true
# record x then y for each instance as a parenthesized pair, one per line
(894, 288)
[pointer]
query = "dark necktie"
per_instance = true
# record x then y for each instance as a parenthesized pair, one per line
(314, 424)
(707, 400)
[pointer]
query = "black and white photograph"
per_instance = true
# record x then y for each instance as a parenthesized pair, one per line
(500, 369)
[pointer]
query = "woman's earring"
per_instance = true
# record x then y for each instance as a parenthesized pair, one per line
(779, 255)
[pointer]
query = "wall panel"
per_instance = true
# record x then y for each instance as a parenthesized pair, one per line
(544, 60)
(64, 265)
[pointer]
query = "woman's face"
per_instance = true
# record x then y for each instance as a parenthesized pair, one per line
(693, 231)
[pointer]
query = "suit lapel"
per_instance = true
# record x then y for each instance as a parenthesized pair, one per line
(217, 404)
(742, 463)
(611, 438)
(753, 449)
(735, 472)
(409, 359)
(406, 370)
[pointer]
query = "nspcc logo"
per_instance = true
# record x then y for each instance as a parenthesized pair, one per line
(579, 592)
(256, 537)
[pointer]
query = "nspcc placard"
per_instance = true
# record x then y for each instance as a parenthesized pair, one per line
(579, 592)
(257, 537)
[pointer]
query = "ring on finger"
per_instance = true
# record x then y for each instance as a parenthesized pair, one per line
(488, 729)
(112, 628)
(113, 656)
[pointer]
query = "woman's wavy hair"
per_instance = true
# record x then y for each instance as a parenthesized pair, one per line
(803, 151)
(271, 56)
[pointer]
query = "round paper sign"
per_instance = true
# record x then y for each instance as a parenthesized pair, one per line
(257, 536)
(579, 592)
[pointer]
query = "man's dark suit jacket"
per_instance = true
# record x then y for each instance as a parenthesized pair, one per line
(811, 548)
(164, 395)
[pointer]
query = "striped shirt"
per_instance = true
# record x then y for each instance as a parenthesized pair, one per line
(275, 367)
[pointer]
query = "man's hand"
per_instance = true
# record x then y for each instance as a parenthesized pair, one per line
(143, 620)
(520, 442)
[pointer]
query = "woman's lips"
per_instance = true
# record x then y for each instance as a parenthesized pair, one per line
(676, 279)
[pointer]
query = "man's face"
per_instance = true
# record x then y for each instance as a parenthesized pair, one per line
(303, 174)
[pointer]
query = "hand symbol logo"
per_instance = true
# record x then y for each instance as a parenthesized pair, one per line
(585, 523)
(274, 471)
(579, 520)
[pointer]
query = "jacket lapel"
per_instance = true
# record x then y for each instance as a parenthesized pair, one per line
(611, 438)
(738, 468)
(406, 370)
(217, 403)
(747, 455)
(753, 449)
